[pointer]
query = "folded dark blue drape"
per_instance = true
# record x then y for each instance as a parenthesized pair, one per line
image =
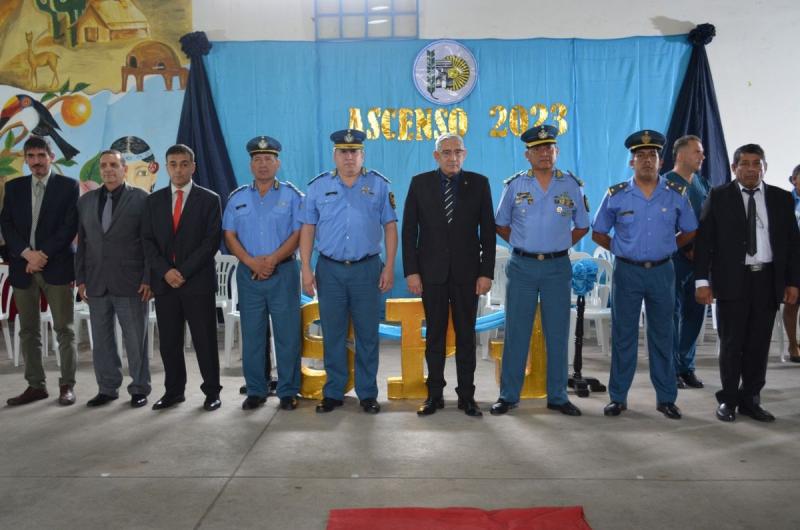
(199, 126)
(696, 111)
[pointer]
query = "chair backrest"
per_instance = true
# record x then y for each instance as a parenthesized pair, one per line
(600, 252)
(6, 302)
(577, 255)
(497, 295)
(605, 271)
(226, 267)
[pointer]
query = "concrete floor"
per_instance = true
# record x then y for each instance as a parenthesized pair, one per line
(116, 467)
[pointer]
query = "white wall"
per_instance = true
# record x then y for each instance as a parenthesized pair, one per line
(754, 74)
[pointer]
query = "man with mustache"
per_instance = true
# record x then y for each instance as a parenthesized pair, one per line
(39, 222)
(746, 257)
(645, 213)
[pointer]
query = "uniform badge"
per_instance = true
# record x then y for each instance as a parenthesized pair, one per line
(391, 201)
(646, 137)
(365, 190)
(542, 134)
(348, 138)
(262, 144)
(564, 204)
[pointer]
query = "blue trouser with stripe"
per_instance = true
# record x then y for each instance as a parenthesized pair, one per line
(548, 283)
(689, 316)
(656, 286)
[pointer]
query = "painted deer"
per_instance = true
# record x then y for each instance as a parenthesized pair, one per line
(37, 60)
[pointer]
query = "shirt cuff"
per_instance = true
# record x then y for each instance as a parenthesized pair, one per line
(701, 283)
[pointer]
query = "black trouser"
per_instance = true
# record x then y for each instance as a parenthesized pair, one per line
(438, 299)
(745, 331)
(173, 309)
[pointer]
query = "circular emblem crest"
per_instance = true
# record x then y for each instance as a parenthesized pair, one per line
(445, 72)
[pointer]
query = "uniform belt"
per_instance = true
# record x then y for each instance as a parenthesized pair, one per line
(540, 255)
(348, 261)
(757, 267)
(645, 264)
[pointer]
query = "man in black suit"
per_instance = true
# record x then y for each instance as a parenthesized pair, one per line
(448, 259)
(746, 256)
(39, 222)
(182, 230)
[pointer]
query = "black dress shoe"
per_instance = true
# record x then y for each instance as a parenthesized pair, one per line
(614, 408)
(679, 382)
(168, 401)
(726, 413)
(756, 412)
(501, 406)
(670, 410)
(253, 402)
(328, 404)
(243, 390)
(794, 358)
(100, 399)
(565, 408)
(370, 406)
(469, 407)
(288, 403)
(212, 403)
(691, 380)
(430, 406)
(138, 400)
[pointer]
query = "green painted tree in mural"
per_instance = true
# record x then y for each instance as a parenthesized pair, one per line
(73, 9)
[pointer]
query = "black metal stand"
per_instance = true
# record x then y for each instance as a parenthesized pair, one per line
(582, 385)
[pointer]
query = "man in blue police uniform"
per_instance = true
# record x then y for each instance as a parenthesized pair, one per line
(689, 315)
(645, 213)
(542, 213)
(262, 228)
(346, 212)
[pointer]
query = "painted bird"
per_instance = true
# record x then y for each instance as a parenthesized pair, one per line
(37, 119)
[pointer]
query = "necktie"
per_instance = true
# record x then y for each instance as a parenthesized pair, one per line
(751, 222)
(105, 217)
(38, 193)
(448, 200)
(176, 212)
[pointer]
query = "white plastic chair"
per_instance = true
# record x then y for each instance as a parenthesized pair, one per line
(600, 252)
(232, 321)
(495, 299)
(5, 309)
(596, 308)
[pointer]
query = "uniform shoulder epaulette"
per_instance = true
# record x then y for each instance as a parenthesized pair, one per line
(319, 176)
(510, 179)
(616, 188)
(680, 189)
(579, 181)
(295, 188)
(237, 190)
(378, 174)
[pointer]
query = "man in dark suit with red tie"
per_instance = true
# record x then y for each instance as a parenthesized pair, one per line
(746, 256)
(448, 259)
(182, 230)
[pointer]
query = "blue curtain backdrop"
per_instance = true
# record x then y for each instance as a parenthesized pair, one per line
(299, 92)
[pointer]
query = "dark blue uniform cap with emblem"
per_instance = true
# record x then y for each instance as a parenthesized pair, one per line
(543, 134)
(349, 139)
(263, 144)
(645, 138)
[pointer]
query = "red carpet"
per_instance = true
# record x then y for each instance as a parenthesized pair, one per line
(570, 517)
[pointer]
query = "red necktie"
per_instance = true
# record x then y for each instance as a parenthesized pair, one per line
(176, 212)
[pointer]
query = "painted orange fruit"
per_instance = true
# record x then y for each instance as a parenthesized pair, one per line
(75, 109)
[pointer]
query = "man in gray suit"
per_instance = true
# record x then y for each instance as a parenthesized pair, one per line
(112, 277)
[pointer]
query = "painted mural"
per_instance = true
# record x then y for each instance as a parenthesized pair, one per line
(90, 75)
